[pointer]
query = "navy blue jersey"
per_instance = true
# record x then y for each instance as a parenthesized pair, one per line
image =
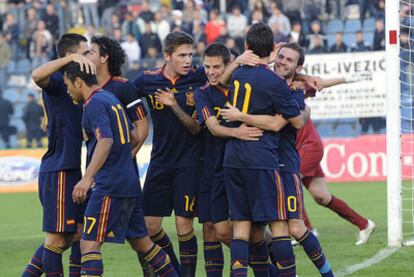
(209, 100)
(64, 129)
(173, 146)
(125, 91)
(104, 117)
(258, 91)
(288, 154)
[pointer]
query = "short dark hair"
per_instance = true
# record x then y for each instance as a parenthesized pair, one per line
(176, 39)
(217, 49)
(72, 70)
(296, 47)
(116, 55)
(69, 43)
(259, 39)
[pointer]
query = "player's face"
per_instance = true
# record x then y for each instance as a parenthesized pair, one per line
(180, 60)
(286, 63)
(214, 68)
(94, 55)
(72, 89)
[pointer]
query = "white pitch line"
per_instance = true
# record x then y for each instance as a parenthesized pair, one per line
(380, 256)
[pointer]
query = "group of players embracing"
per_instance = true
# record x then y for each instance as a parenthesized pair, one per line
(225, 149)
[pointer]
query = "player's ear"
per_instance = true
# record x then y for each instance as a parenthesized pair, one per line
(77, 83)
(104, 58)
(167, 57)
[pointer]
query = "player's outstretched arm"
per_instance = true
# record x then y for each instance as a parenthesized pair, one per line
(243, 132)
(266, 122)
(167, 98)
(100, 154)
(247, 58)
(140, 133)
(41, 75)
(299, 121)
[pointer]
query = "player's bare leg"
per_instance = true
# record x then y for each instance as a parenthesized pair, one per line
(213, 252)
(75, 254)
(239, 247)
(92, 263)
(224, 231)
(188, 245)
(318, 188)
(311, 245)
(154, 256)
(281, 248)
(159, 237)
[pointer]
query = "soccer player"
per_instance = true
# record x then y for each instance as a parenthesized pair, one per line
(174, 171)
(253, 183)
(108, 56)
(60, 167)
(114, 209)
(289, 61)
(212, 206)
(310, 147)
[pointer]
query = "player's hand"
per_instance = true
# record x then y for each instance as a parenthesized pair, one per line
(244, 132)
(166, 97)
(358, 77)
(80, 191)
(86, 64)
(314, 82)
(230, 113)
(248, 58)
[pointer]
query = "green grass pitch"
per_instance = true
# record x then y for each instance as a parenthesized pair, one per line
(20, 225)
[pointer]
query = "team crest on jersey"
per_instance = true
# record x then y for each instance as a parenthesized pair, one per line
(70, 221)
(174, 90)
(189, 98)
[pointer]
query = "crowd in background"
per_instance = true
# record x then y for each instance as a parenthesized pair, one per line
(31, 27)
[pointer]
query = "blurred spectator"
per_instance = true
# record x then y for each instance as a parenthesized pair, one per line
(257, 16)
(297, 34)
(162, 27)
(292, 9)
(188, 11)
(231, 44)
(90, 12)
(153, 53)
(278, 36)
(51, 20)
(379, 35)
(198, 32)
(129, 26)
(199, 49)
(149, 39)
(199, 7)
(259, 6)
(312, 10)
(117, 35)
(316, 45)
(380, 9)
(281, 19)
(115, 24)
(223, 35)
(213, 27)
(29, 28)
(32, 117)
(177, 20)
(146, 14)
(11, 30)
(41, 45)
(236, 23)
(90, 32)
(132, 49)
(6, 110)
(367, 6)
(339, 46)
(5, 55)
(315, 29)
(360, 45)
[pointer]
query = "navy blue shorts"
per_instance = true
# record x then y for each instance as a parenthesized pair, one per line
(204, 196)
(60, 213)
(255, 195)
(294, 194)
(168, 189)
(112, 219)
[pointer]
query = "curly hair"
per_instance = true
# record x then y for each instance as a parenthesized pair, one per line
(116, 55)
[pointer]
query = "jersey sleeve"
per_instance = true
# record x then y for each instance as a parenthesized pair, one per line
(55, 83)
(139, 85)
(132, 103)
(203, 106)
(299, 97)
(99, 119)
